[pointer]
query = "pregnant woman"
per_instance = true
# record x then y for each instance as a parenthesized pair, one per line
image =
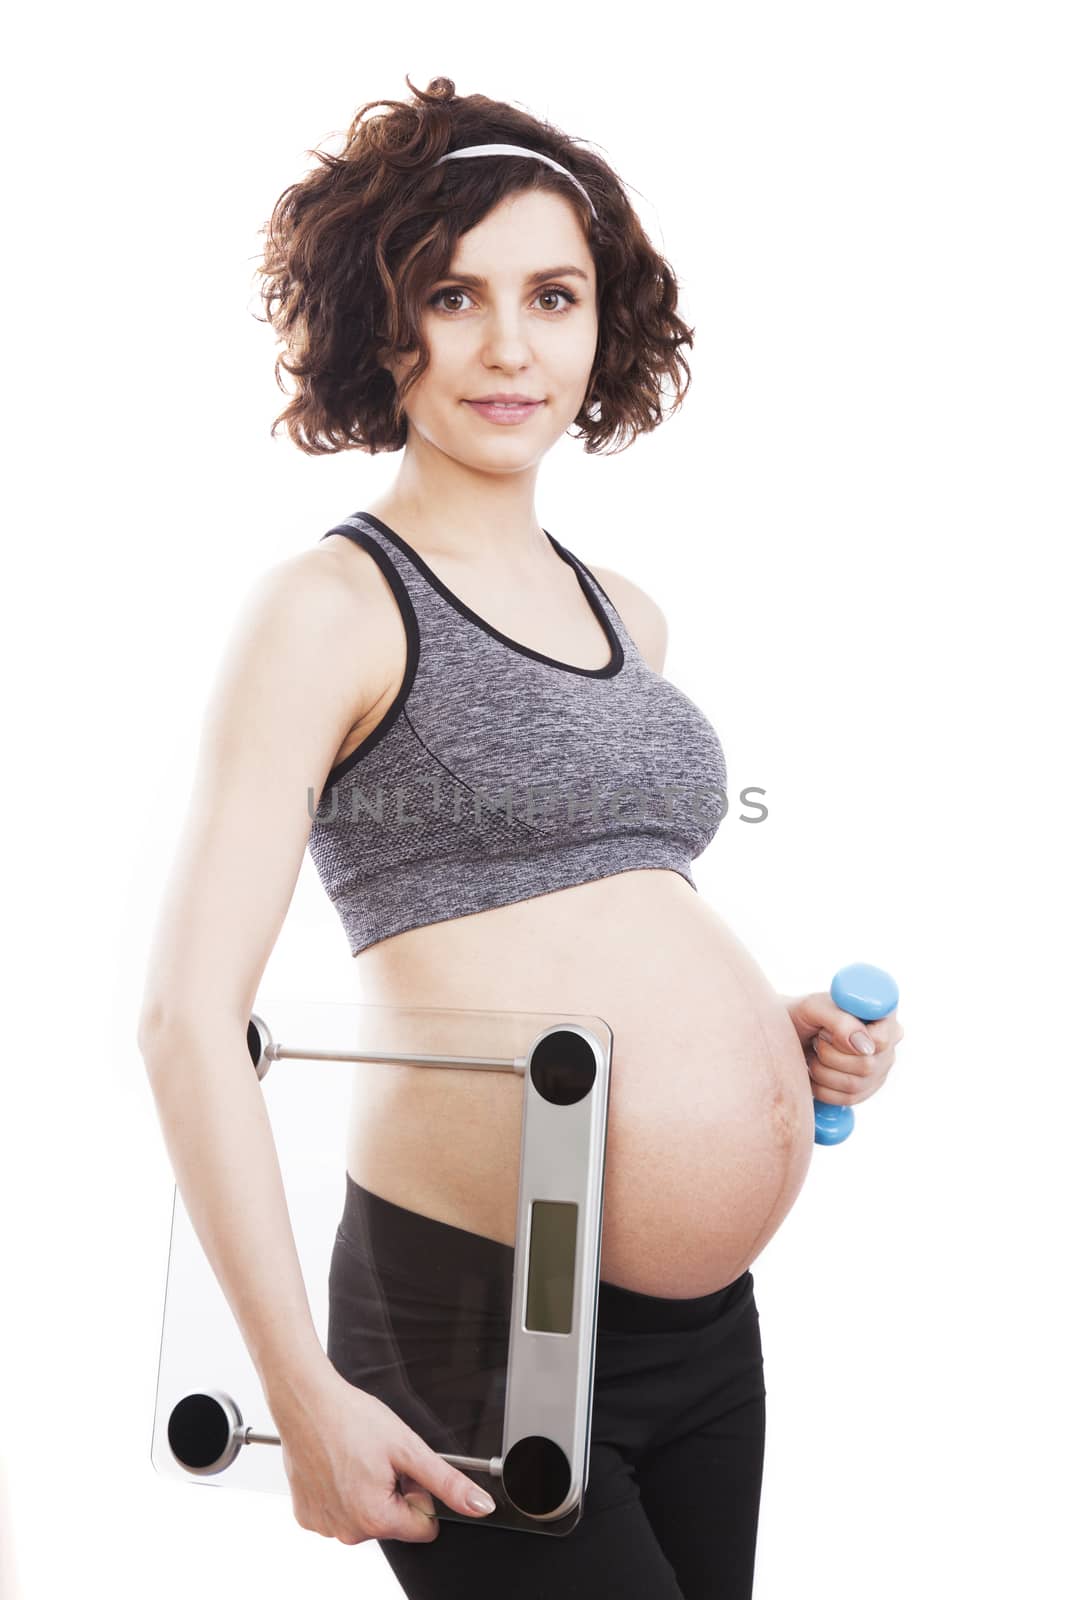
(509, 796)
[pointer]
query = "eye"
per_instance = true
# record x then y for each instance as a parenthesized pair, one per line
(435, 300)
(570, 298)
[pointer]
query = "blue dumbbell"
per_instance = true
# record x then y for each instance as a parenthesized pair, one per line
(869, 994)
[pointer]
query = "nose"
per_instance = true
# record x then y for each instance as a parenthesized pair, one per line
(507, 342)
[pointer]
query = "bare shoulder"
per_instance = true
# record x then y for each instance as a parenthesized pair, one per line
(338, 569)
(336, 596)
(308, 656)
(644, 618)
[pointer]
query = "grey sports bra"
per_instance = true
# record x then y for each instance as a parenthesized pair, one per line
(498, 773)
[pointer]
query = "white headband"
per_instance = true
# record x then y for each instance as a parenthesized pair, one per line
(516, 150)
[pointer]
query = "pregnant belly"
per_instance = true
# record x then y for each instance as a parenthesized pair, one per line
(710, 1122)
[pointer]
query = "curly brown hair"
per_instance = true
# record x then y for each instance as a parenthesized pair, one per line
(353, 247)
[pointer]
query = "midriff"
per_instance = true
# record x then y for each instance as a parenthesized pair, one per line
(710, 1124)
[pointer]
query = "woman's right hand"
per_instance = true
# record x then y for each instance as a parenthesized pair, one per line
(357, 1471)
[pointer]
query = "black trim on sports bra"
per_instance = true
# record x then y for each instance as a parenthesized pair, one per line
(414, 646)
(586, 583)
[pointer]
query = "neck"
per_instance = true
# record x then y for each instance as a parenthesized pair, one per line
(447, 508)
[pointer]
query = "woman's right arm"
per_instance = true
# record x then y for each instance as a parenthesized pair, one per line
(281, 704)
(297, 674)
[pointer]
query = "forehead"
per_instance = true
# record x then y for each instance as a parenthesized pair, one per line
(525, 237)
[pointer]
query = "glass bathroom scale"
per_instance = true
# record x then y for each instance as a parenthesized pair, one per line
(482, 1339)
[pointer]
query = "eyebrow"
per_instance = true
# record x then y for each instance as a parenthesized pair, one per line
(534, 277)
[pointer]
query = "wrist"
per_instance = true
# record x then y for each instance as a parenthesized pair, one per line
(291, 1384)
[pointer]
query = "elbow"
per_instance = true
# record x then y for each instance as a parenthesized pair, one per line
(149, 1022)
(152, 1029)
(164, 1028)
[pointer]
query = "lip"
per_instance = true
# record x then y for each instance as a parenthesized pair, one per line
(497, 411)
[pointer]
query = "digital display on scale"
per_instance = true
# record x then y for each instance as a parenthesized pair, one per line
(550, 1280)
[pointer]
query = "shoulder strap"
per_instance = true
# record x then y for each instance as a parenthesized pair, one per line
(375, 547)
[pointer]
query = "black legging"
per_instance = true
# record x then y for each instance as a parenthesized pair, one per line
(671, 1507)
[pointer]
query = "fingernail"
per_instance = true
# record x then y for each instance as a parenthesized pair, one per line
(862, 1041)
(479, 1501)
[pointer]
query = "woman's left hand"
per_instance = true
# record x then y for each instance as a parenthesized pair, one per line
(841, 1073)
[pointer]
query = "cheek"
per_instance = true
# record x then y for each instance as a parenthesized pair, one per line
(570, 352)
(585, 353)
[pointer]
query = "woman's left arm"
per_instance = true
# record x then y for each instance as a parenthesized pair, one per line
(848, 1060)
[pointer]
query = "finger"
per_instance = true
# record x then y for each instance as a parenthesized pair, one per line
(835, 1097)
(847, 1088)
(828, 1082)
(409, 1515)
(845, 1063)
(852, 1038)
(811, 1010)
(416, 1497)
(423, 1503)
(850, 1034)
(886, 1031)
(453, 1487)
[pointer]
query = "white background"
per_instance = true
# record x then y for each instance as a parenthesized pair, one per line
(853, 524)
